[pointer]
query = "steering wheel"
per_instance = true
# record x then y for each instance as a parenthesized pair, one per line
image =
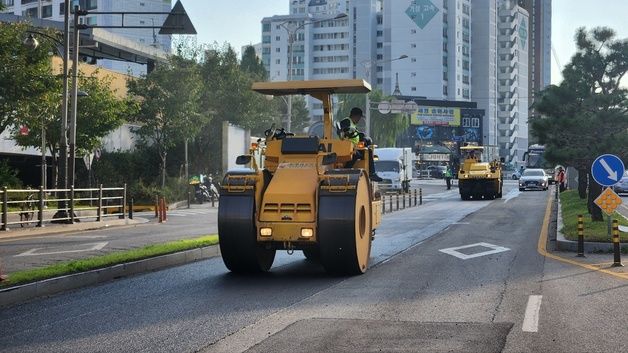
(270, 132)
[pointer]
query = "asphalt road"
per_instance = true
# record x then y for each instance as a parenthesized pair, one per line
(39, 251)
(421, 294)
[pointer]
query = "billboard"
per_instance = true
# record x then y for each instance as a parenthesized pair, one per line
(468, 128)
(436, 116)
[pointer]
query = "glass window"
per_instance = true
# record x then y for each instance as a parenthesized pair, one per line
(46, 11)
(32, 12)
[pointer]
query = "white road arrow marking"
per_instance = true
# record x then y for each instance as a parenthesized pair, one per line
(35, 252)
(612, 174)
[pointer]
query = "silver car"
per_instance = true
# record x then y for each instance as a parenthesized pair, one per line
(622, 186)
(533, 179)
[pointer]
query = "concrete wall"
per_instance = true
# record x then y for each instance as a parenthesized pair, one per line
(235, 142)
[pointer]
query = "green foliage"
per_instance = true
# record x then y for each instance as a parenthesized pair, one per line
(25, 75)
(98, 114)
(253, 65)
(174, 190)
(169, 101)
(8, 176)
(137, 169)
(571, 207)
(587, 114)
(385, 128)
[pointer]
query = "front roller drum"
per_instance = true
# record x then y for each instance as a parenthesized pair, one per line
(345, 228)
(237, 235)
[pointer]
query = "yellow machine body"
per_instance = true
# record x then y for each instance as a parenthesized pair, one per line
(477, 179)
(304, 198)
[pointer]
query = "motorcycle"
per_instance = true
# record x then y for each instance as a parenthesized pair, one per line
(201, 193)
(212, 190)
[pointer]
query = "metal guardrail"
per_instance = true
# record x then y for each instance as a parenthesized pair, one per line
(95, 203)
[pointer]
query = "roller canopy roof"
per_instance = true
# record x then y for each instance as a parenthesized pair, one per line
(282, 88)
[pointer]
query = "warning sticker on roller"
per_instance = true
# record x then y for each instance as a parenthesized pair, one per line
(295, 165)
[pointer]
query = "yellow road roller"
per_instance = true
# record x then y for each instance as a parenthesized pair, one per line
(301, 196)
(477, 179)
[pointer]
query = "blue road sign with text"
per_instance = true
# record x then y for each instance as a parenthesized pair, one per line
(607, 169)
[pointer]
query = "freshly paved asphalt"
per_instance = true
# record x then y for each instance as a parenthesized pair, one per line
(426, 299)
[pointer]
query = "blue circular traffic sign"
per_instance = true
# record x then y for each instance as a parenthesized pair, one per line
(607, 169)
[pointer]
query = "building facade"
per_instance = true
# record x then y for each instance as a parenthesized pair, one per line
(512, 76)
(455, 50)
(54, 10)
(540, 52)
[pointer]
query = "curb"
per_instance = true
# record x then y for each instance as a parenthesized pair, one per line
(25, 292)
(563, 244)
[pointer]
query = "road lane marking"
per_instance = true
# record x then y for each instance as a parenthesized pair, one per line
(531, 318)
(541, 246)
(35, 252)
(453, 251)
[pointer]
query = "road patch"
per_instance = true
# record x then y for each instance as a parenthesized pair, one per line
(352, 335)
(494, 249)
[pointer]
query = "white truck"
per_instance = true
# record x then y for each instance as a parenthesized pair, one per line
(394, 165)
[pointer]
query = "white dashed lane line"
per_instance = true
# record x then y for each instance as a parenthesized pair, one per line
(531, 319)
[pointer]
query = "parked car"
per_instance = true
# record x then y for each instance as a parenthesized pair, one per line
(437, 171)
(622, 186)
(534, 179)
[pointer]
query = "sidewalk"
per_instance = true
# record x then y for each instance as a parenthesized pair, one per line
(53, 228)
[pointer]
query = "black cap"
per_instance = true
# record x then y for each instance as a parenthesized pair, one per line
(356, 111)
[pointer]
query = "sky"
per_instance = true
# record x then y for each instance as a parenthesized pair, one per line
(238, 22)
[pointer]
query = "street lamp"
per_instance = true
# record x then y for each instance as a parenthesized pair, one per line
(367, 72)
(291, 34)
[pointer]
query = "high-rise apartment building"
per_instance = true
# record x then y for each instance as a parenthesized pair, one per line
(456, 50)
(512, 76)
(539, 54)
(54, 10)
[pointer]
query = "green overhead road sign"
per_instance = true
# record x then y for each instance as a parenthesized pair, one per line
(421, 12)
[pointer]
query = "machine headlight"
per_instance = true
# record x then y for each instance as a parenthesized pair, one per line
(307, 232)
(266, 232)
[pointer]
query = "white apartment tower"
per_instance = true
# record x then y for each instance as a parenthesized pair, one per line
(512, 65)
(54, 10)
(459, 50)
(484, 68)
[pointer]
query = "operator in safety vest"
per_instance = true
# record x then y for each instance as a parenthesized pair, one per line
(347, 129)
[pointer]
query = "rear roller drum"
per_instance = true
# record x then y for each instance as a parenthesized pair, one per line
(240, 250)
(345, 228)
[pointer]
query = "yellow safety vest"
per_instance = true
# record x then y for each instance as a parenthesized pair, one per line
(354, 137)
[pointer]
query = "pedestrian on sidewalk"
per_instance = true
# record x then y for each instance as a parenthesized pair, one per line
(448, 176)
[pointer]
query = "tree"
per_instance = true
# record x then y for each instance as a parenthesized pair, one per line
(98, 114)
(169, 100)
(385, 128)
(587, 114)
(252, 65)
(227, 96)
(25, 74)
